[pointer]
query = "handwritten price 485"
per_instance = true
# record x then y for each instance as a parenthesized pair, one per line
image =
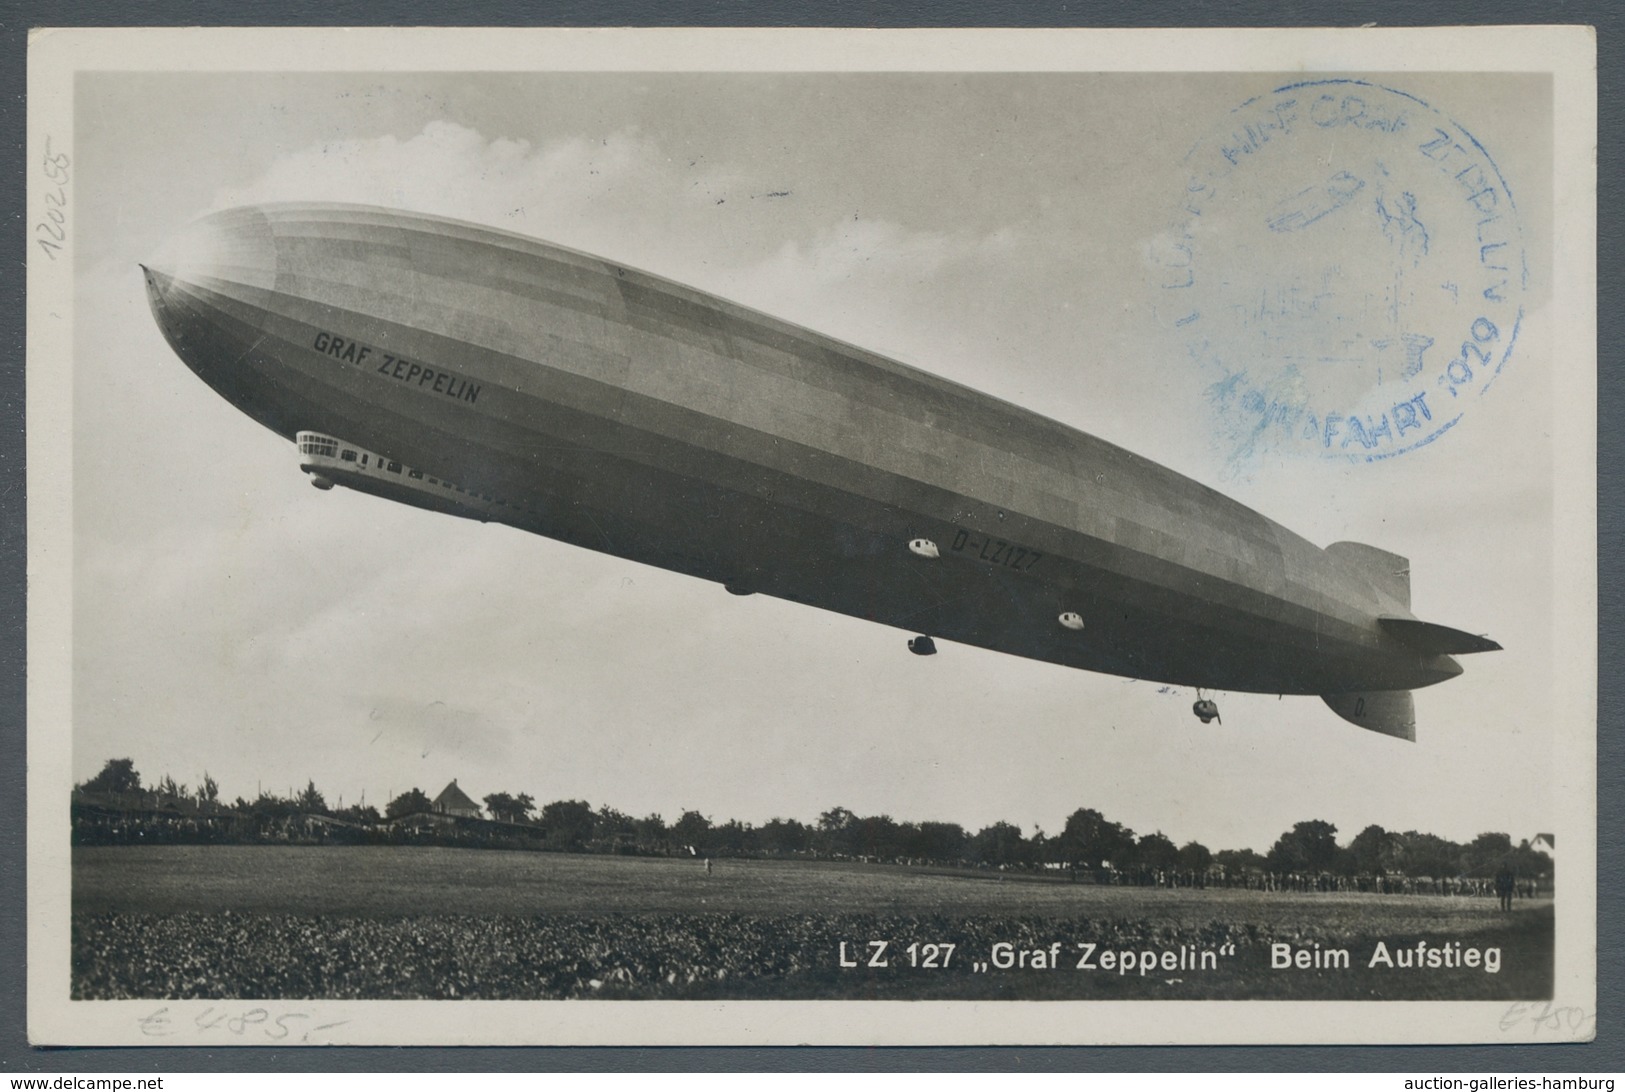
(255, 1022)
(53, 230)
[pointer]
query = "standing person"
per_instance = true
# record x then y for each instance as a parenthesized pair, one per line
(1504, 883)
(708, 866)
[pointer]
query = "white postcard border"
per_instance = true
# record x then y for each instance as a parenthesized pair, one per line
(55, 57)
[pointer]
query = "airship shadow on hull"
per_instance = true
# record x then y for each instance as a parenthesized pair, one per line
(478, 373)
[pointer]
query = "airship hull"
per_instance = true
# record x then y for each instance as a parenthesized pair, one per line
(621, 412)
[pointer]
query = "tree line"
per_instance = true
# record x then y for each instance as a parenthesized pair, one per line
(1087, 841)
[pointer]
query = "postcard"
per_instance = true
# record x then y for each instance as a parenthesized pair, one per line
(835, 537)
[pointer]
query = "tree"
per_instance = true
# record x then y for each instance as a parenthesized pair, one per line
(652, 833)
(1486, 853)
(784, 836)
(615, 829)
(268, 805)
(207, 791)
(1529, 862)
(411, 802)
(1157, 851)
(877, 836)
(1239, 862)
(168, 790)
(1194, 857)
(1419, 854)
(568, 824)
(362, 814)
(692, 830)
(1371, 853)
(836, 829)
(938, 841)
(1092, 840)
(612, 822)
(118, 776)
(505, 808)
(1310, 846)
(999, 844)
(310, 800)
(730, 837)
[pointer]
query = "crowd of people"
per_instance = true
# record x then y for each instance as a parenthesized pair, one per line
(97, 827)
(108, 828)
(1394, 883)
(112, 809)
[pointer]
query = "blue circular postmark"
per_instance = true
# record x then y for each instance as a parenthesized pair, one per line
(1347, 271)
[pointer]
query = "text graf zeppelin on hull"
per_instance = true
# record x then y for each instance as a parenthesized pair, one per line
(476, 372)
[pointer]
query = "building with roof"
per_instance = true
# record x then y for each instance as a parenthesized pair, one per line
(454, 801)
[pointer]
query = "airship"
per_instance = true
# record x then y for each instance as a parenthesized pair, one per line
(482, 374)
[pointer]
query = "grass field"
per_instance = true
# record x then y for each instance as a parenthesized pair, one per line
(257, 921)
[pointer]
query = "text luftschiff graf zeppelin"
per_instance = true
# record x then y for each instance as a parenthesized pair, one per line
(1087, 956)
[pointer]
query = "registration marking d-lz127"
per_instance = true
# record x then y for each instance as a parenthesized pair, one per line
(995, 551)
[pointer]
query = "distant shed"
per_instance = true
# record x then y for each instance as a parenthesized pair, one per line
(454, 801)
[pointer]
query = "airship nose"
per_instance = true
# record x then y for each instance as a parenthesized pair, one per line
(168, 304)
(224, 250)
(210, 287)
(215, 261)
(158, 285)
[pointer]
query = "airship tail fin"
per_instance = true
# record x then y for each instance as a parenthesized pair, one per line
(1436, 639)
(1389, 573)
(1391, 712)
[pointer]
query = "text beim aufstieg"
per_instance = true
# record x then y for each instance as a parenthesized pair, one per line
(1418, 956)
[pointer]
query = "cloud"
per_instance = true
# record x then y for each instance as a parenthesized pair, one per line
(620, 194)
(877, 251)
(448, 169)
(761, 239)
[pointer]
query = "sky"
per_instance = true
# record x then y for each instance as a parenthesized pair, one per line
(1000, 230)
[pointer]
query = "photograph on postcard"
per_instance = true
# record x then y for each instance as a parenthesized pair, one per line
(782, 536)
